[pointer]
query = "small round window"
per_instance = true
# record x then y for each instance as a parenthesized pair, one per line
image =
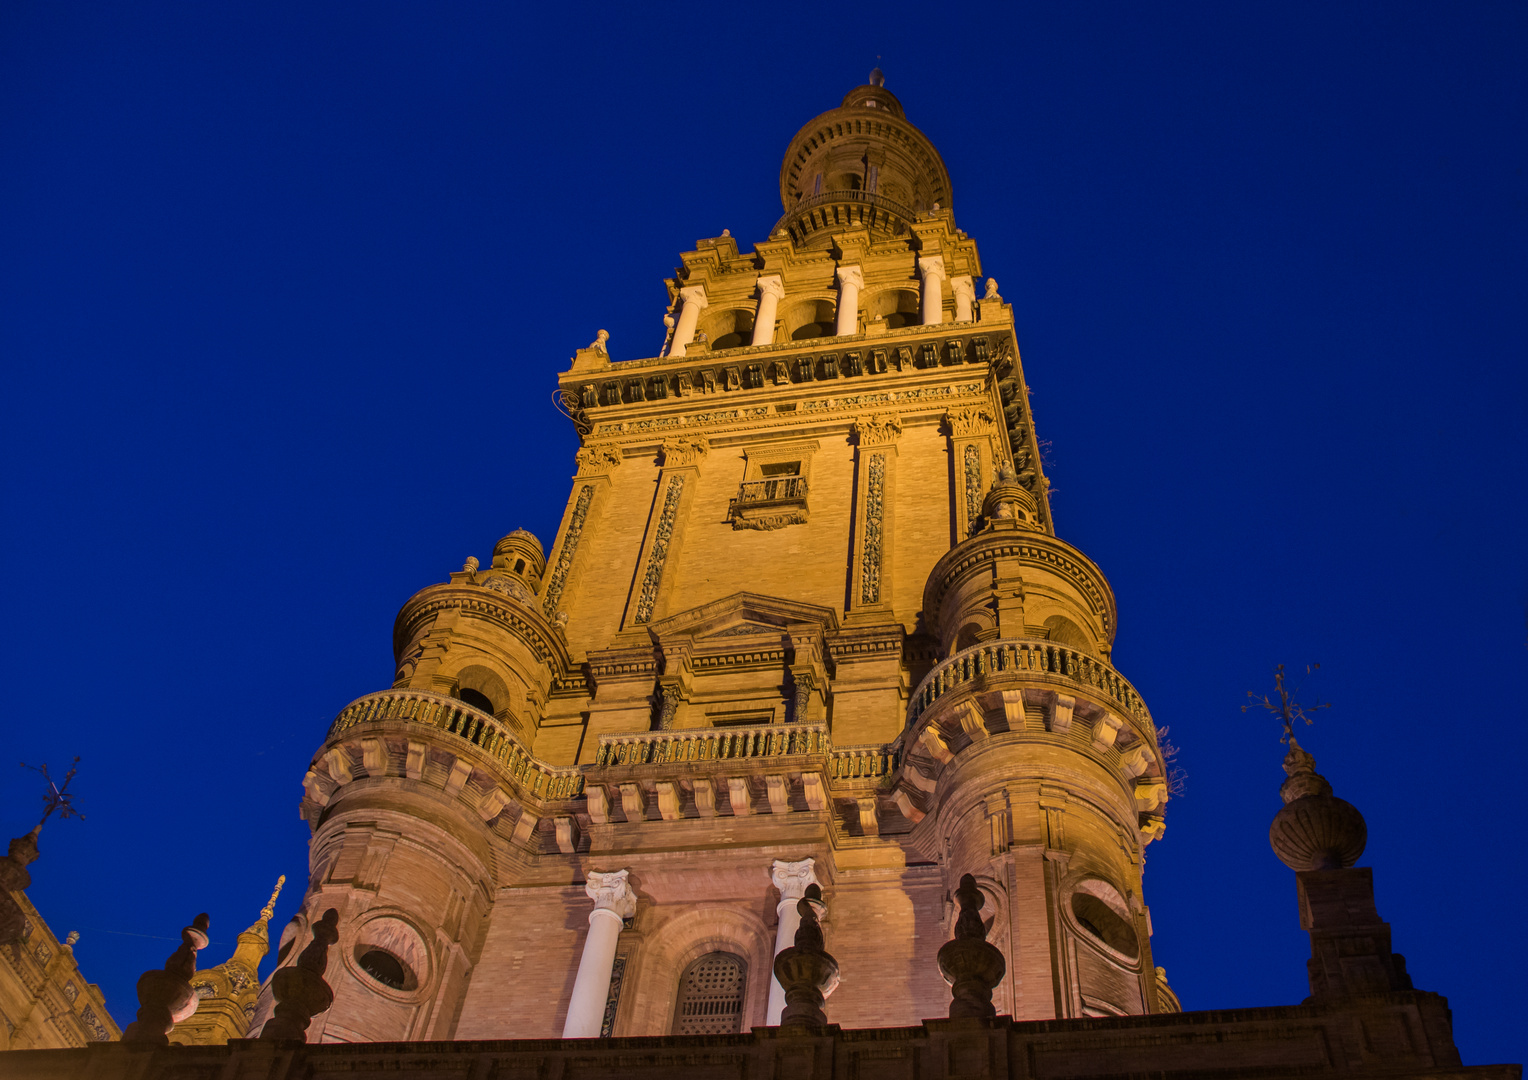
(386, 968)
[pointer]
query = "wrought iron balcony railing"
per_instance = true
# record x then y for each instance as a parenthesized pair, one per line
(778, 489)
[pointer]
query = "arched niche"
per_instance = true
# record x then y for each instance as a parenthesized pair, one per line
(894, 307)
(810, 319)
(728, 328)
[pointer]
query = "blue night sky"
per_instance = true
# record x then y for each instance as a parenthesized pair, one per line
(283, 289)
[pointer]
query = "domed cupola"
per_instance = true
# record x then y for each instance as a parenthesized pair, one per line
(861, 164)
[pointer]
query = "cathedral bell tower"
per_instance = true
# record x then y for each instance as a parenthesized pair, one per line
(806, 621)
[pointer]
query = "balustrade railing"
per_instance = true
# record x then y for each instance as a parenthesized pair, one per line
(863, 762)
(778, 488)
(462, 720)
(1015, 657)
(711, 744)
(859, 199)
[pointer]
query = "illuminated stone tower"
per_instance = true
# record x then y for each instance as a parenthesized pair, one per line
(805, 619)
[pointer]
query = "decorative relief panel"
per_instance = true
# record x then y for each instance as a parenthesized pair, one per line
(870, 558)
(569, 549)
(973, 470)
(650, 581)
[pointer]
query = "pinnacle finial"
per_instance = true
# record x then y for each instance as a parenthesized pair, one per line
(164, 995)
(970, 963)
(270, 905)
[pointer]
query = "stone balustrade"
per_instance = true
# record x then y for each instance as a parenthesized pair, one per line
(996, 662)
(710, 744)
(446, 714)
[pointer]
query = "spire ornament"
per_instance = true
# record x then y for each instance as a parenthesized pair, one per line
(1315, 830)
(165, 996)
(970, 963)
(270, 905)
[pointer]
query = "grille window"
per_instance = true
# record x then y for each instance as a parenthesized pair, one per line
(711, 996)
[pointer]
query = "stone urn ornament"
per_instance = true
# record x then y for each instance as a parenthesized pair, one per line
(970, 963)
(807, 973)
(165, 996)
(300, 991)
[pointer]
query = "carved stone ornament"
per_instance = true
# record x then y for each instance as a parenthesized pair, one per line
(668, 705)
(973, 478)
(597, 459)
(870, 557)
(684, 451)
(611, 892)
(665, 532)
(971, 420)
(510, 587)
(879, 430)
(769, 522)
(804, 684)
(569, 549)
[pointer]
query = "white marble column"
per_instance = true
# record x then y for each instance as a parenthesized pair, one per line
(965, 297)
(931, 269)
(791, 878)
(771, 292)
(850, 282)
(692, 302)
(614, 902)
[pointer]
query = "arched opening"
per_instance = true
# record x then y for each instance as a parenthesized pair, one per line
(728, 328)
(476, 698)
(810, 319)
(711, 995)
(894, 308)
(1064, 631)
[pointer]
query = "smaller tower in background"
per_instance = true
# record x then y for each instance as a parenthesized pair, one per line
(226, 994)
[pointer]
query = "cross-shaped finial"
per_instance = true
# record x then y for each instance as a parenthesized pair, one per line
(1287, 709)
(57, 796)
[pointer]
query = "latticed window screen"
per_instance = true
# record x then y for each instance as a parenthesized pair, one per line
(711, 995)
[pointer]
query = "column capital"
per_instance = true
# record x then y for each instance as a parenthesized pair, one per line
(769, 285)
(963, 286)
(928, 266)
(611, 893)
(696, 295)
(850, 275)
(792, 878)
